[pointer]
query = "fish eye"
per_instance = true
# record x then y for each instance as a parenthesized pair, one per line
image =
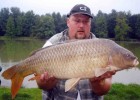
(127, 55)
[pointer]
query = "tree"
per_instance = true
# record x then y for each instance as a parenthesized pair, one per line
(121, 28)
(138, 27)
(15, 21)
(10, 27)
(118, 25)
(63, 23)
(19, 27)
(4, 15)
(47, 27)
(28, 23)
(101, 25)
(111, 23)
(36, 29)
(59, 21)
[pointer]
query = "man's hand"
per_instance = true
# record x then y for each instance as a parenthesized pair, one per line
(46, 82)
(105, 75)
(101, 85)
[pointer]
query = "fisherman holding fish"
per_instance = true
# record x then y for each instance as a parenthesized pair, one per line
(79, 25)
(73, 64)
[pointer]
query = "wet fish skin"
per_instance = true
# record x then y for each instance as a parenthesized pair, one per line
(72, 60)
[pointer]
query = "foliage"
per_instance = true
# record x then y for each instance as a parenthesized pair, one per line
(28, 23)
(118, 25)
(138, 27)
(4, 15)
(111, 23)
(10, 27)
(121, 28)
(101, 25)
(45, 27)
(59, 22)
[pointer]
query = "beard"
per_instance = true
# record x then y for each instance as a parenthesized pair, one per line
(80, 35)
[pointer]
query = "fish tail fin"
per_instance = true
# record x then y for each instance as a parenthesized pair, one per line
(10, 72)
(15, 77)
(16, 84)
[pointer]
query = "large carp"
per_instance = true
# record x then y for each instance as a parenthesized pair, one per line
(73, 60)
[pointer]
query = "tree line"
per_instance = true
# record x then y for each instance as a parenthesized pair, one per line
(118, 25)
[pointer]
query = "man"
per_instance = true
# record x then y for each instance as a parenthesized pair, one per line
(79, 24)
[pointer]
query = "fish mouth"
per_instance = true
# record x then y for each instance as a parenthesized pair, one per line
(136, 62)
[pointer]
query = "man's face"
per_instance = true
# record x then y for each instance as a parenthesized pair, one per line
(79, 26)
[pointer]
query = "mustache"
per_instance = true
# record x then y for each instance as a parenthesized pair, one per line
(80, 30)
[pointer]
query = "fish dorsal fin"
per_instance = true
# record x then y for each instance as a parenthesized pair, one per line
(71, 83)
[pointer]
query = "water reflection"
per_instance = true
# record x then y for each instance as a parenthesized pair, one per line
(127, 76)
(132, 46)
(14, 51)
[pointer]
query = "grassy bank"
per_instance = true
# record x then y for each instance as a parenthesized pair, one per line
(18, 38)
(23, 94)
(117, 92)
(124, 92)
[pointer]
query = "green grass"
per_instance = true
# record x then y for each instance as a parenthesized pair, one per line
(124, 92)
(117, 92)
(23, 94)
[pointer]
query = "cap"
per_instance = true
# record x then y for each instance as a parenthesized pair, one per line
(80, 9)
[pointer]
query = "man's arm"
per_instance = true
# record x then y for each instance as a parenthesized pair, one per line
(102, 84)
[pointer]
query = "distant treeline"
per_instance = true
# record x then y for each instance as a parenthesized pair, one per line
(118, 25)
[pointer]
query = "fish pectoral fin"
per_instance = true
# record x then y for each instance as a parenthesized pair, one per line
(71, 83)
(37, 77)
(101, 71)
(113, 68)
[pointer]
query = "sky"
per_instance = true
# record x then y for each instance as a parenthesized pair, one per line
(42, 7)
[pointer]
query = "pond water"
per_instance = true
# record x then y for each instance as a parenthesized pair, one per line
(14, 51)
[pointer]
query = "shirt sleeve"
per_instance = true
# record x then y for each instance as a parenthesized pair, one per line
(48, 43)
(53, 40)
